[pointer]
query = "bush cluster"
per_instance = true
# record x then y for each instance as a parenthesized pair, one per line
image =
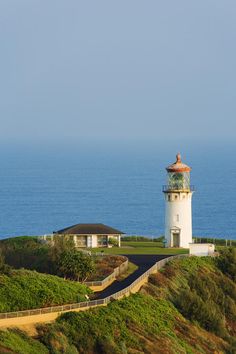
(208, 297)
(59, 259)
(27, 252)
(142, 238)
(227, 262)
(25, 289)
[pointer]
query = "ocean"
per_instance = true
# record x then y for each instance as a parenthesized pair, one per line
(46, 188)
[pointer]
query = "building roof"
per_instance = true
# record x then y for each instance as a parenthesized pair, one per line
(178, 166)
(89, 229)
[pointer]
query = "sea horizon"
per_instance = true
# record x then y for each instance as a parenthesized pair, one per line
(47, 187)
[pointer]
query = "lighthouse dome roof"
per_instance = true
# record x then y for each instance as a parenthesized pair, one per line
(178, 166)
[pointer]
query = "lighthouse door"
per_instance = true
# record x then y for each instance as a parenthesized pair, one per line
(175, 237)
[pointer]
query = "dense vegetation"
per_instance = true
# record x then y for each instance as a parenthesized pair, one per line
(142, 239)
(188, 307)
(27, 252)
(31, 253)
(226, 262)
(61, 259)
(75, 265)
(22, 289)
(16, 341)
(201, 292)
(25, 289)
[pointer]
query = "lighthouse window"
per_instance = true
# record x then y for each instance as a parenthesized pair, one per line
(177, 217)
(169, 198)
(176, 197)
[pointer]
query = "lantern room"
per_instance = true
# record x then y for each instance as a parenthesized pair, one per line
(178, 176)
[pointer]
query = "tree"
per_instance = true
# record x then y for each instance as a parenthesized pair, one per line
(2, 260)
(60, 245)
(113, 241)
(76, 265)
(4, 268)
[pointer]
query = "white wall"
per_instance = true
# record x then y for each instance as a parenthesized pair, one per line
(178, 214)
(94, 241)
(202, 249)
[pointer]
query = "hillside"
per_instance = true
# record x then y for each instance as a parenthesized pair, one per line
(25, 289)
(188, 307)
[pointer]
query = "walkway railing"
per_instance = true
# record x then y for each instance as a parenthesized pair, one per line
(116, 272)
(94, 303)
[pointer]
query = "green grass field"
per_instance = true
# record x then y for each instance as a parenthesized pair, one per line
(139, 247)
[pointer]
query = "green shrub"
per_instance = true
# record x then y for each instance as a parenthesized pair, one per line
(30, 253)
(113, 241)
(227, 262)
(27, 252)
(25, 289)
(202, 293)
(16, 341)
(142, 238)
(192, 306)
(76, 265)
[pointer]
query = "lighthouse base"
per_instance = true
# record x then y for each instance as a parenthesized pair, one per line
(176, 241)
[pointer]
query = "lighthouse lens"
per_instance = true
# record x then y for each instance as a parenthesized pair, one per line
(178, 181)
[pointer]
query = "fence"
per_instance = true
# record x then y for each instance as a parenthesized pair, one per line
(108, 280)
(93, 303)
(145, 275)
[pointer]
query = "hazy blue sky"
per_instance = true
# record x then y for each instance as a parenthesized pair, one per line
(117, 70)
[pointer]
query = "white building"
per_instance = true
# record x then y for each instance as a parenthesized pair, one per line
(89, 235)
(178, 205)
(202, 249)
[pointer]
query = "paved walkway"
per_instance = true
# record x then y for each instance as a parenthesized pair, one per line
(32, 317)
(144, 262)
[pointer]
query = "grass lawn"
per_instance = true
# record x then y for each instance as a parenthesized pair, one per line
(139, 247)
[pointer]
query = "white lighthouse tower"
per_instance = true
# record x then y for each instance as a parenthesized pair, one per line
(178, 201)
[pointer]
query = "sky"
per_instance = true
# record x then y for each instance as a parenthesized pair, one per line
(117, 70)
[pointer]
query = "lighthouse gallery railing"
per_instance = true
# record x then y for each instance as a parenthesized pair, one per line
(167, 188)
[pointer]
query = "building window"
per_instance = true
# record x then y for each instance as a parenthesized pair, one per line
(177, 217)
(102, 240)
(81, 241)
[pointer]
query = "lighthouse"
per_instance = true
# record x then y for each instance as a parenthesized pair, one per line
(178, 205)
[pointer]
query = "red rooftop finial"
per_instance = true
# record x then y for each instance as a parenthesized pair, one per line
(178, 158)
